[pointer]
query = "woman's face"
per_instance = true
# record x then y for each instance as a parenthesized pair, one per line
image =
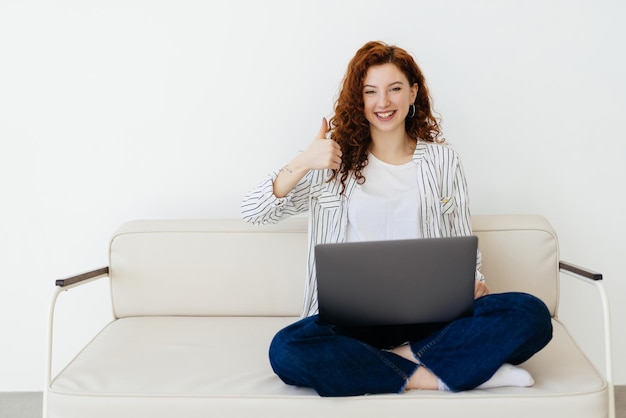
(387, 96)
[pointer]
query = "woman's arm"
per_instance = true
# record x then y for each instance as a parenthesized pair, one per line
(286, 192)
(460, 220)
(261, 206)
(321, 154)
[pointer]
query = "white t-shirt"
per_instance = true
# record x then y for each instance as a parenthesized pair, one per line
(386, 205)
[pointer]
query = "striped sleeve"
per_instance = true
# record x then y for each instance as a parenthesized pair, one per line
(457, 220)
(461, 220)
(261, 206)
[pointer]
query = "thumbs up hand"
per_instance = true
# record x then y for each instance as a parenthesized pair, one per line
(322, 152)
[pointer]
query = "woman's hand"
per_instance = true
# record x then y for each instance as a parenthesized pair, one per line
(480, 289)
(322, 153)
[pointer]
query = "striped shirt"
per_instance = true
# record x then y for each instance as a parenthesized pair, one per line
(443, 210)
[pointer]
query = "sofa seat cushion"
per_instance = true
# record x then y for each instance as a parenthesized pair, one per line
(218, 366)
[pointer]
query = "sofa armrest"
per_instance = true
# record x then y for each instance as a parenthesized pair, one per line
(61, 286)
(580, 271)
(595, 279)
(82, 277)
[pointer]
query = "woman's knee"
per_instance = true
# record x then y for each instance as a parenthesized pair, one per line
(532, 308)
(533, 316)
(284, 342)
(279, 355)
(516, 303)
(288, 350)
(526, 311)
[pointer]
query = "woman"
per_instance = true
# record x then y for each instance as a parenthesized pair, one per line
(380, 171)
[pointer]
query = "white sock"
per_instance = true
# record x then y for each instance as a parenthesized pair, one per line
(508, 375)
(442, 386)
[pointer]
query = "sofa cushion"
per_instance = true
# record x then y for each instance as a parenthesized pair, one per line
(520, 253)
(208, 267)
(217, 366)
(213, 266)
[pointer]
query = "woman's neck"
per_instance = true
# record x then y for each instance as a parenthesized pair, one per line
(393, 149)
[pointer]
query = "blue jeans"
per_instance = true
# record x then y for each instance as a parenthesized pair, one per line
(505, 328)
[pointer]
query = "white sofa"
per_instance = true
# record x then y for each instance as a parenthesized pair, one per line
(196, 303)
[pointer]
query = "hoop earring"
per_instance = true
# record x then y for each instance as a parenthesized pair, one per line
(411, 111)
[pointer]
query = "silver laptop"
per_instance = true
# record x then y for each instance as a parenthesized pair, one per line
(410, 281)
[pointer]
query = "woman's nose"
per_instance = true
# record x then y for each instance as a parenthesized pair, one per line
(383, 100)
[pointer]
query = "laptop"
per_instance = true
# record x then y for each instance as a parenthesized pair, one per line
(408, 281)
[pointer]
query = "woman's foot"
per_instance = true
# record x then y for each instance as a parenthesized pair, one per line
(508, 375)
(422, 378)
(405, 351)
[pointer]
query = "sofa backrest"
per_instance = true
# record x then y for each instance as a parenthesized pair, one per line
(519, 253)
(208, 267)
(225, 267)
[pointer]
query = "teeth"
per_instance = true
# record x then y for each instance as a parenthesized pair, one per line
(385, 115)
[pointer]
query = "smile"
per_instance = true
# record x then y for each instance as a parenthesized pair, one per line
(385, 115)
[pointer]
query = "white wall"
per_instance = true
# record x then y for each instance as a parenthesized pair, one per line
(122, 109)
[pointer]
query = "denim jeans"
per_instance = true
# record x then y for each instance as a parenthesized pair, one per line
(505, 328)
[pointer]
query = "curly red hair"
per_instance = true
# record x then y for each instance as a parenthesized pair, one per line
(349, 127)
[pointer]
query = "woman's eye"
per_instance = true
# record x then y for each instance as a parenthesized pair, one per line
(369, 92)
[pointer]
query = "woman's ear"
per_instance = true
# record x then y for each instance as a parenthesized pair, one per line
(414, 90)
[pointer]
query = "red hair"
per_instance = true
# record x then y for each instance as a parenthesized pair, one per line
(350, 128)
